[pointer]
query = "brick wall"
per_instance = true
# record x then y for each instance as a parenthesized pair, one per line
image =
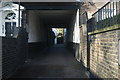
(119, 65)
(104, 54)
(9, 58)
(83, 46)
(119, 73)
(0, 58)
(14, 53)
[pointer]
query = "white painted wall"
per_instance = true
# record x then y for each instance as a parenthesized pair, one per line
(37, 32)
(1, 20)
(74, 31)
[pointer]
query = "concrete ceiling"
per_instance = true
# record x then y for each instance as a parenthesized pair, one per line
(56, 18)
(54, 14)
(50, 5)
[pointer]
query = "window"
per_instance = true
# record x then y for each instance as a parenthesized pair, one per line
(10, 24)
(10, 27)
(10, 16)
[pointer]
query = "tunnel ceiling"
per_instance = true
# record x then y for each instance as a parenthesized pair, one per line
(56, 18)
(50, 5)
(55, 14)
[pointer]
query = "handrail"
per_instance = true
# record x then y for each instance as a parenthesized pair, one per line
(100, 8)
(108, 15)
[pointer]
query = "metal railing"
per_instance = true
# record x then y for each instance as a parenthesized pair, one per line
(105, 16)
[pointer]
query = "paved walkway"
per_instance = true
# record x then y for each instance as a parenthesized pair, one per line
(57, 62)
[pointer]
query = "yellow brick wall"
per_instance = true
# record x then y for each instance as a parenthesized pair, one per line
(119, 73)
(119, 65)
(83, 46)
(104, 54)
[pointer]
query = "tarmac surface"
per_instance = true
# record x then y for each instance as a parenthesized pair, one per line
(56, 62)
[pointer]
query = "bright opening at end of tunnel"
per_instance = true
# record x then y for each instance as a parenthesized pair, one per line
(59, 35)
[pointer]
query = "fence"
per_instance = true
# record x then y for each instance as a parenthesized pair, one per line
(105, 17)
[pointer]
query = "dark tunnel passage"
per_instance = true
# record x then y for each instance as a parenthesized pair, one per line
(41, 23)
(43, 58)
(59, 40)
(47, 60)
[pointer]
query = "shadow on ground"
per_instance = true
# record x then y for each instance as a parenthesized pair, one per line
(56, 63)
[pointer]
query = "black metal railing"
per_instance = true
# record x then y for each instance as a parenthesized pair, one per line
(106, 16)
